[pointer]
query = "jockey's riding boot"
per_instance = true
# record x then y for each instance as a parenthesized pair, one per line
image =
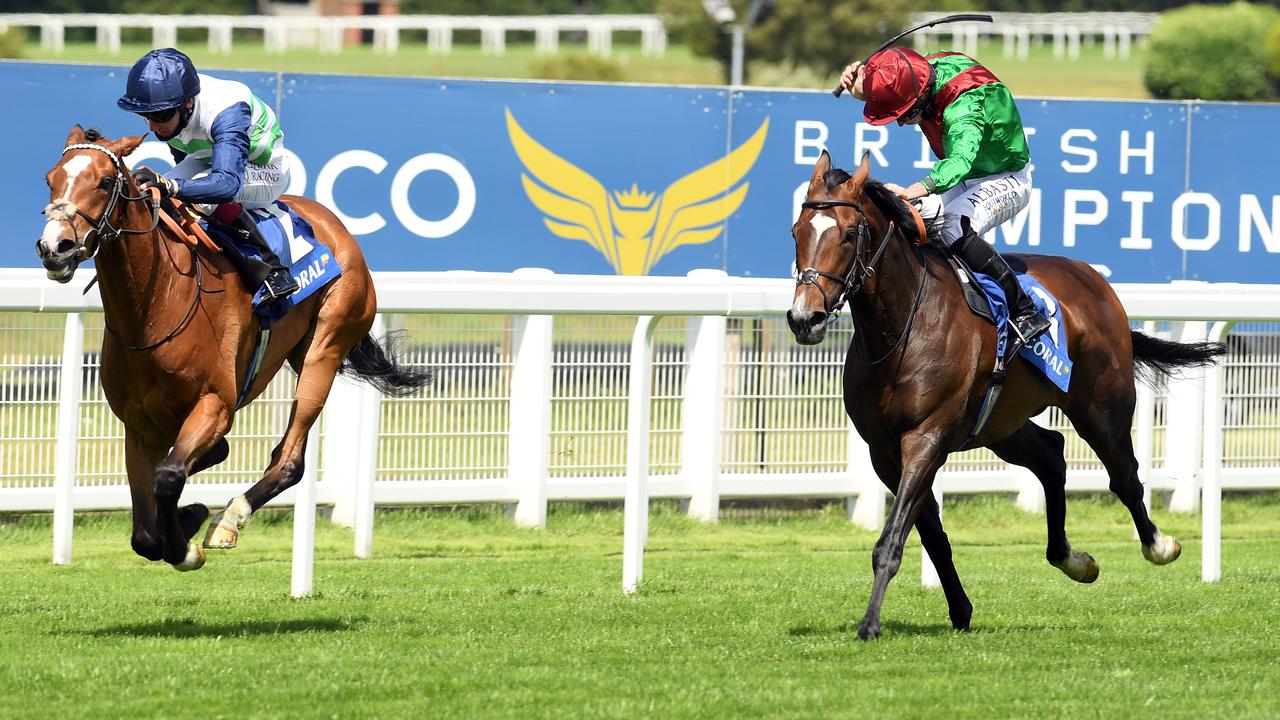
(279, 283)
(1026, 321)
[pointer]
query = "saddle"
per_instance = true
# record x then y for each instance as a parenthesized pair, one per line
(184, 221)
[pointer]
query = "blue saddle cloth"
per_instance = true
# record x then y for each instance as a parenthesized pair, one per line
(1048, 352)
(292, 238)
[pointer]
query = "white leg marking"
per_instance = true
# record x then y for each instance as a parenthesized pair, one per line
(1163, 551)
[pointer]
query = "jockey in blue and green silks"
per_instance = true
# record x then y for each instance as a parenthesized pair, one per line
(983, 174)
(227, 147)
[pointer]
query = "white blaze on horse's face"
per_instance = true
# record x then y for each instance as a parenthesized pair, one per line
(62, 211)
(821, 223)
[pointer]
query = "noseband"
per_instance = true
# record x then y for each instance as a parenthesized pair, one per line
(859, 271)
(101, 227)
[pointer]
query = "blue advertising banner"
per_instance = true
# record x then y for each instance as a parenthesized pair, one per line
(437, 174)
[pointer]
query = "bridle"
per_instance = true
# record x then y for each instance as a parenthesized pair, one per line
(859, 271)
(101, 227)
(105, 232)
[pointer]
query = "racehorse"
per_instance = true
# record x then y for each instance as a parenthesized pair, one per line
(181, 335)
(919, 365)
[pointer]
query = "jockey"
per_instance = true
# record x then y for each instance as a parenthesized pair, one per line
(983, 174)
(226, 146)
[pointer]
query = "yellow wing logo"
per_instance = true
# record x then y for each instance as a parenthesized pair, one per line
(631, 229)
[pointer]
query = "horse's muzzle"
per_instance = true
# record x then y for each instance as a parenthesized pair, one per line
(61, 264)
(809, 327)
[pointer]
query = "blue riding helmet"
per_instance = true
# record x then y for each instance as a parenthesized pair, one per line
(161, 80)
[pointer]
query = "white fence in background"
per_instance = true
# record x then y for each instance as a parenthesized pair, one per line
(538, 399)
(327, 32)
(1117, 31)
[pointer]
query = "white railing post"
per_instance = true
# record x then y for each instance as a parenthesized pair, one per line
(366, 470)
(928, 571)
(635, 504)
(867, 510)
(1030, 492)
(66, 449)
(304, 520)
(702, 420)
(1211, 503)
(343, 429)
(1145, 435)
(1185, 416)
(529, 435)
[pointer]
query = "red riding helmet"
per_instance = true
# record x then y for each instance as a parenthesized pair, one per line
(893, 81)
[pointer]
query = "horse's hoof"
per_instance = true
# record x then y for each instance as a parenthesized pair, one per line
(1163, 551)
(868, 630)
(1079, 566)
(193, 561)
(221, 535)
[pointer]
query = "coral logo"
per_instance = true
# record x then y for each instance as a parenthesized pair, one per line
(632, 229)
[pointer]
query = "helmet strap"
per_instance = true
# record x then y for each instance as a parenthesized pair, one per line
(184, 116)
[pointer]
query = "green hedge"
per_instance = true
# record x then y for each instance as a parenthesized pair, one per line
(1272, 51)
(1211, 53)
(11, 42)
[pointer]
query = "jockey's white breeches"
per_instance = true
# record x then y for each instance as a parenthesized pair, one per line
(262, 183)
(987, 202)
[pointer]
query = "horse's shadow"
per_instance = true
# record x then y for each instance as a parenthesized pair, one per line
(191, 628)
(851, 628)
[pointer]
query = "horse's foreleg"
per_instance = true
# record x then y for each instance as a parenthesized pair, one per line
(934, 539)
(204, 427)
(287, 460)
(1041, 451)
(140, 464)
(922, 455)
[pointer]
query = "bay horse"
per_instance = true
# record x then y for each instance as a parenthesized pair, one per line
(920, 363)
(181, 336)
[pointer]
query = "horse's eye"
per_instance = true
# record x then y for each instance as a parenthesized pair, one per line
(106, 182)
(851, 234)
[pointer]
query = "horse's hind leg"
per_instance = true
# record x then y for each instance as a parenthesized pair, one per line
(1040, 451)
(315, 378)
(1105, 424)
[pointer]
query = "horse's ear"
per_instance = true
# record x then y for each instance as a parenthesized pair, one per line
(863, 172)
(820, 168)
(76, 135)
(127, 144)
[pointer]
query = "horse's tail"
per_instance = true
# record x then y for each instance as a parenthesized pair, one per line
(1155, 360)
(377, 364)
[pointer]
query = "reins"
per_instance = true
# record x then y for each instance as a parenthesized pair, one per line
(106, 232)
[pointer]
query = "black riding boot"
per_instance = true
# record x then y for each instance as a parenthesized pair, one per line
(279, 283)
(1026, 321)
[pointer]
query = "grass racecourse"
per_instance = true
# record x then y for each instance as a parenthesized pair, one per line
(461, 615)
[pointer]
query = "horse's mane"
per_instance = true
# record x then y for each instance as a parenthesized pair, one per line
(893, 208)
(92, 135)
(886, 202)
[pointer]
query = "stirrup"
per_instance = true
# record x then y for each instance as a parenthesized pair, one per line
(277, 292)
(1029, 327)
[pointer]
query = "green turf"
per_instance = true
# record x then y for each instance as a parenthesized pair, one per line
(1040, 75)
(459, 614)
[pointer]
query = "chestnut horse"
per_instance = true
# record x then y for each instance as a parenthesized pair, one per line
(920, 364)
(181, 335)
